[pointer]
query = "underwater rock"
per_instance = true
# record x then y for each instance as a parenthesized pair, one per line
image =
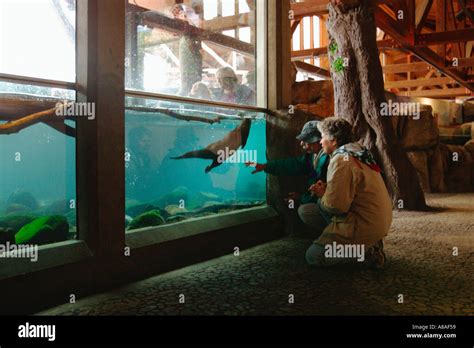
(72, 234)
(44, 230)
(148, 219)
(71, 217)
(128, 220)
(16, 208)
(173, 197)
(173, 209)
(7, 235)
(60, 207)
(205, 213)
(208, 195)
(138, 209)
(211, 204)
(176, 218)
(15, 222)
(23, 198)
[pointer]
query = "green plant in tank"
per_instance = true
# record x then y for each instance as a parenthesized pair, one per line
(338, 64)
(43, 230)
(148, 219)
(333, 47)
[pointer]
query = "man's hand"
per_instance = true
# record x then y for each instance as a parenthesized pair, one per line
(258, 167)
(318, 189)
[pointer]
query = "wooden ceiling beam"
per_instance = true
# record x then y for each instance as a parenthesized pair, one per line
(419, 82)
(437, 93)
(450, 36)
(387, 24)
(421, 14)
(390, 26)
(309, 8)
(157, 20)
(423, 67)
(407, 67)
(294, 25)
(226, 23)
(322, 51)
(441, 24)
(312, 70)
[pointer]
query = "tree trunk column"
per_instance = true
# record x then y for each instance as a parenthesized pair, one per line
(359, 92)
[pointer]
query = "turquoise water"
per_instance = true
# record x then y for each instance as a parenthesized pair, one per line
(37, 179)
(38, 174)
(181, 189)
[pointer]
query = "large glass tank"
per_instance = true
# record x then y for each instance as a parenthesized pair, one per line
(170, 151)
(37, 186)
(37, 163)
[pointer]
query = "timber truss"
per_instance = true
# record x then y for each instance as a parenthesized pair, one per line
(425, 45)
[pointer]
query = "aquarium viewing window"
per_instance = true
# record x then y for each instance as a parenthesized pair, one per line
(37, 39)
(206, 50)
(38, 160)
(187, 64)
(187, 108)
(185, 161)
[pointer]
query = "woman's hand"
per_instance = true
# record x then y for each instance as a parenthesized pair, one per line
(318, 189)
(258, 167)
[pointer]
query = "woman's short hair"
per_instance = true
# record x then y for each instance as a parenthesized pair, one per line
(338, 129)
(225, 72)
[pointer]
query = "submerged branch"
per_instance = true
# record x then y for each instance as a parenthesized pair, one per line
(48, 117)
(177, 115)
(24, 122)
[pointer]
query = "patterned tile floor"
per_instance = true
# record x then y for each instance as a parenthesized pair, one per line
(421, 267)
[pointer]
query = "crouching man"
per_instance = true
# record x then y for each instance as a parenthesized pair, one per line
(354, 196)
(313, 164)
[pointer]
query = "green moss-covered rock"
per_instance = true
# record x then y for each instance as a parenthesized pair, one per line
(138, 209)
(173, 197)
(23, 198)
(16, 221)
(174, 219)
(44, 230)
(148, 219)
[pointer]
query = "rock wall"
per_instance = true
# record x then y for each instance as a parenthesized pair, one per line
(440, 167)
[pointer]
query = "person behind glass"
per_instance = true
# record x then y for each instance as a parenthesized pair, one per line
(230, 90)
(314, 163)
(355, 195)
(200, 91)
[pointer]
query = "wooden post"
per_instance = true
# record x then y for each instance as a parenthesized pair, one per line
(279, 53)
(100, 142)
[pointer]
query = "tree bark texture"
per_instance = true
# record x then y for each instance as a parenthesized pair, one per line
(359, 92)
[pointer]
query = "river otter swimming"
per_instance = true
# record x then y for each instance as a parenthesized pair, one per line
(219, 151)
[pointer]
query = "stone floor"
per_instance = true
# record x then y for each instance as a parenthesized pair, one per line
(260, 281)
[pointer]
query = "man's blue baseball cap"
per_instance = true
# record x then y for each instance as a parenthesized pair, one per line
(310, 133)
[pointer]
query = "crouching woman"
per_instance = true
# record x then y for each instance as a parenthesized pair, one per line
(354, 197)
